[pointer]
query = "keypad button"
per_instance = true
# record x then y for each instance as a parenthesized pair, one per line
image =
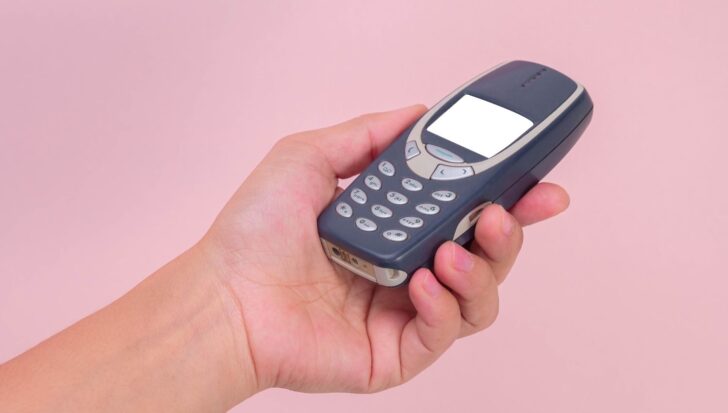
(373, 182)
(386, 168)
(396, 235)
(411, 222)
(448, 173)
(381, 211)
(427, 209)
(411, 150)
(344, 209)
(358, 196)
(365, 224)
(444, 196)
(411, 184)
(444, 154)
(396, 198)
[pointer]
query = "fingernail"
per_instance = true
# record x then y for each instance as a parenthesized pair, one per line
(506, 222)
(461, 259)
(431, 285)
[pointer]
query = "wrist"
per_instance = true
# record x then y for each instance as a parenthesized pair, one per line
(212, 328)
(178, 346)
(170, 344)
(241, 281)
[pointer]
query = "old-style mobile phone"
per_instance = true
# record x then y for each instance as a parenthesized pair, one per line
(489, 141)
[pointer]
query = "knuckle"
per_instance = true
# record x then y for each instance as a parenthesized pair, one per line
(481, 229)
(517, 242)
(299, 143)
(282, 145)
(479, 314)
(486, 278)
(288, 141)
(490, 316)
(485, 318)
(478, 284)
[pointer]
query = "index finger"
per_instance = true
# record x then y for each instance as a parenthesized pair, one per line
(350, 146)
(543, 201)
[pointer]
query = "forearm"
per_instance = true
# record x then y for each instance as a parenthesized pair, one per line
(170, 344)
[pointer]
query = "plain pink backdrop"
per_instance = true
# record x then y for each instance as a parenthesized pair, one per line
(125, 125)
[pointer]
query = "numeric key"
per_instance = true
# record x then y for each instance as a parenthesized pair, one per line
(444, 196)
(386, 168)
(366, 224)
(396, 198)
(344, 209)
(411, 184)
(427, 209)
(411, 222)
(373, 182)
(381, 211)
(396, 235)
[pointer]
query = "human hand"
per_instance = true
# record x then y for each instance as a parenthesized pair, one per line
(309, 325)
(257, 304)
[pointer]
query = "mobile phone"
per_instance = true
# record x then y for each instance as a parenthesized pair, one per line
(489, 141)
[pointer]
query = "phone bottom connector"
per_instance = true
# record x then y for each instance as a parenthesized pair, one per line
(389, 277)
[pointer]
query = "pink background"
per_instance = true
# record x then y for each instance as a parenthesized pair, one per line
(125, 125)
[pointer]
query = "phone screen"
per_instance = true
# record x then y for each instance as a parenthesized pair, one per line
(480, 126)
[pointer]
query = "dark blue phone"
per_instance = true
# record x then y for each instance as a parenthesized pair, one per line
(489, 141)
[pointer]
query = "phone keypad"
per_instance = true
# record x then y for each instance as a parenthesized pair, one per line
(366, 224)
(408, 218)
(373, 182)
(359, 196)
(444, 196)
(411, 184)
(427, 209)
(386, 168)
(396, 198)
(344, 209)
(396, 235)
(381, 211)
(411, 222)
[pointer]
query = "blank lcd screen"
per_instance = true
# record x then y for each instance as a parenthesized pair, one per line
(480, 126)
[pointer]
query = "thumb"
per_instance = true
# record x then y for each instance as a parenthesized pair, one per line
(350, 146)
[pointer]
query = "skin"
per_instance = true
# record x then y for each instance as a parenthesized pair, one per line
(256, 304)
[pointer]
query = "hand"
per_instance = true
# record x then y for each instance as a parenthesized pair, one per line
(309, 325)
(256, 303)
